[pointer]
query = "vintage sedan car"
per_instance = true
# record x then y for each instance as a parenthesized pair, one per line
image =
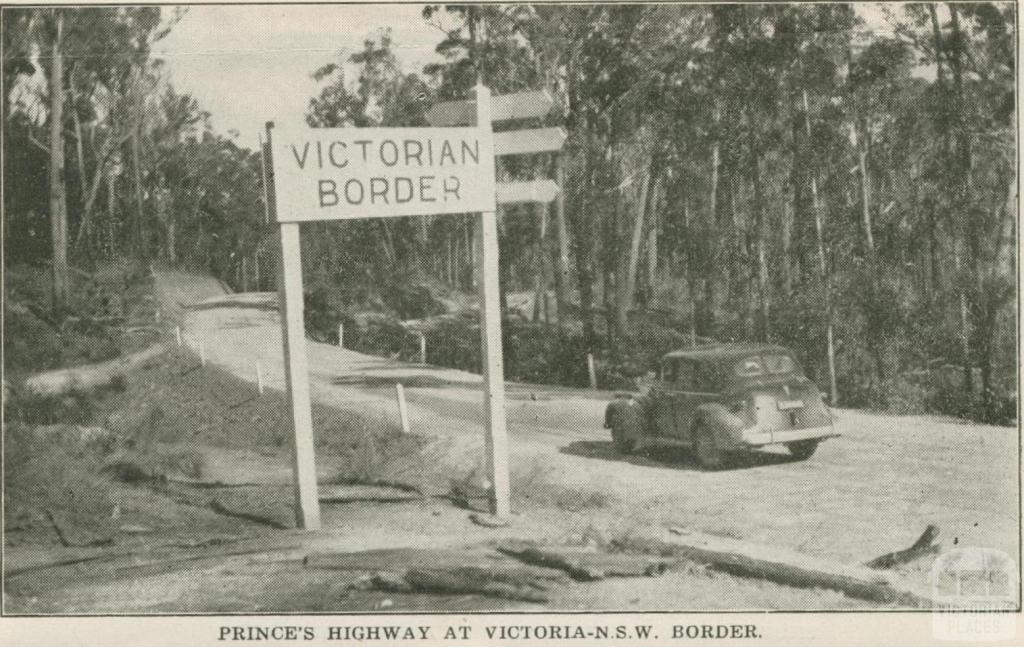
(721, 399)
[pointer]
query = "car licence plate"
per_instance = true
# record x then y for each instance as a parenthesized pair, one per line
(786, 405)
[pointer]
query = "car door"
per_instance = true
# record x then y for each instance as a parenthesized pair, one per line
(685, 398)
(662, 399)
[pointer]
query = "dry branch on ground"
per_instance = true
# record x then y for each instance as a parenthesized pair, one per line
(925, 545)
(587, 565)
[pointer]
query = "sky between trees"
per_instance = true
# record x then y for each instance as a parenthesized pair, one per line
(248, 64)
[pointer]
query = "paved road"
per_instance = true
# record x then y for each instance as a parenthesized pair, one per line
(869, 492)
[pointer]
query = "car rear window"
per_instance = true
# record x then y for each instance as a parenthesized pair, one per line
(764, 365)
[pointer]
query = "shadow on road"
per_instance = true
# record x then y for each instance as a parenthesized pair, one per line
(666, 457)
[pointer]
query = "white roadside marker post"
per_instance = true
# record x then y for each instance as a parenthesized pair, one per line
(423, 347)
(341, 335)
(496, 440)
(307, 504)
(591, 371)
(403, 412)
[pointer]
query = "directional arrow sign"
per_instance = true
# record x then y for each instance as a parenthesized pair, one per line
(532, 191)
(504, 107)
(521, 142)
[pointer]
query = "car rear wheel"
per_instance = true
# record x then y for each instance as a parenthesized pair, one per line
(709, 456)
(803, 449)
(625, 425)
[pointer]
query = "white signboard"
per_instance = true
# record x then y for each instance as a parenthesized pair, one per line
(343, 173)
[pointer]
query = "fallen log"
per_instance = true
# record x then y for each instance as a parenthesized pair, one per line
(31, 567)
(471, 581)
(366, 494)
(925, 545)
(587, 565)
(212, 485)
(90, 377)
(381, 483)
(220, 508)
(385, 581)
(781, 566)
(400, 559)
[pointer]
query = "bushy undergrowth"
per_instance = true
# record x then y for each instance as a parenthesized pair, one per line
(74, 407)
(36, 338)
(541, 354)
(938, 391)
(50, 477)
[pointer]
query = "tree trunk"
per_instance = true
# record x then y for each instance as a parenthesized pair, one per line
(586, 260)
(562, 276)
(708, 315)
(653, 222)
(962, 178)
(823, 275)
(388, 244)
(471, 252)
(865, 197)
(58, 197)
(626, 282)
(85, 226)
(788, 211)
(860, 142)
(540, 278)
(761, 229)
(172, 252)
(111, 203)
(964, 197)
(140, 216)
(80, 157)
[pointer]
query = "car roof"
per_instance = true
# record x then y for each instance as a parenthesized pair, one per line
(725, 352)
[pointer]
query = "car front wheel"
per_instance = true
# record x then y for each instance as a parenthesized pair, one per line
(709, 456)
(802, 450)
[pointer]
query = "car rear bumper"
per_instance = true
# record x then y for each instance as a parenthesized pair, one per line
(757, 436)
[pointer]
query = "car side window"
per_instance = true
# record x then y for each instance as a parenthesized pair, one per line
(707, 378)
(668, 372)
(684, 376)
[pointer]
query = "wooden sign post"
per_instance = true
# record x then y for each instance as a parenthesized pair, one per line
(296, 371)
(523, 105)
(496, 439)
(321, 174)
(347, 173)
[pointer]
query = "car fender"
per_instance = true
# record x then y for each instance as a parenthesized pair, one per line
(726, 426)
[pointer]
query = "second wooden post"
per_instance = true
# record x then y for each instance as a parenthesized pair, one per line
(495, 439)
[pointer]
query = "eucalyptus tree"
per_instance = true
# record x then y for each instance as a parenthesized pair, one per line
(75, 51)
(972, 110)
(367, 88)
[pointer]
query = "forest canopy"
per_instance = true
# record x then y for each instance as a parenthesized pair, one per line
(777, 172)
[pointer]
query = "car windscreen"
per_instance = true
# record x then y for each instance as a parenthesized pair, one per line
(757, 365)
